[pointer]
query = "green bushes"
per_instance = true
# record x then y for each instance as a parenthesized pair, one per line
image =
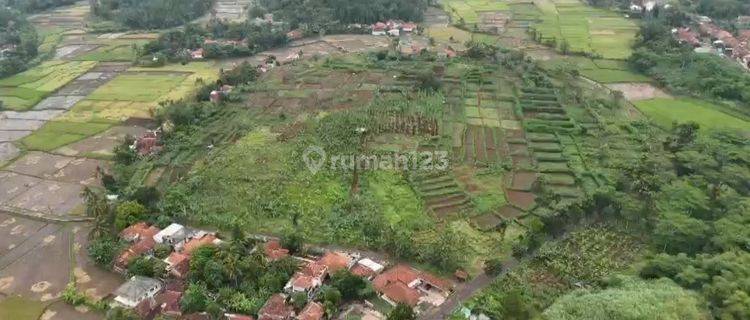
(152, 14)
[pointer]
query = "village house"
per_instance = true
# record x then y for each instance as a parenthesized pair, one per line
(409, 27)
(403, 284)
(138, 231)
(367, 268)
(273, 250)
(307, 280)
(201, 239)
(276, 308)
(142, 247)
(335, 261)
(147, 144)
(197, 54)
(169, 303)
(312, 311)
(178, 264)
(295, 34)
(137, 290)
(172, 234)
(378, 29)
(687, 36)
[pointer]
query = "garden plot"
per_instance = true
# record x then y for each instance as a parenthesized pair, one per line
(8, 151)
(231, 10)
(441, 193)
(111, 50)
(70, 17)
(602, 71)
(24, 90)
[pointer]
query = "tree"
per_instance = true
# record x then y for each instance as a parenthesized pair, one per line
(493, 266)
(128, 213)
(195, 299)
(402, 312)
(98, 207)
(103, 250)
(293, 241)
(299, 300)
(328, 294)
(352, 287)
(677, 232)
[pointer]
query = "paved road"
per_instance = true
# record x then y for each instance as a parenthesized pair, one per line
(466, 291)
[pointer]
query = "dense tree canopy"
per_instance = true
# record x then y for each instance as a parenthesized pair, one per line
(152, 14)
(18, 40)
(629, 298)
(35, 5)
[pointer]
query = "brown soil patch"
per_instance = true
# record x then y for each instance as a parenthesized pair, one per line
(510, 212)
(638, 91)
(521, 199)
(523, 180)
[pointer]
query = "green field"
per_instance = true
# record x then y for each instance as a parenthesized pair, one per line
(469, 11)
(21, 309)
(24, 90)
(585, 29)
(666, 111)
(56, 134)
(138, 87)
(599, 70)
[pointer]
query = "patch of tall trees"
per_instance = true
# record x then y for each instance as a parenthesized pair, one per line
(18, 40)
(35, 5)
(150, 14)
(316, 14)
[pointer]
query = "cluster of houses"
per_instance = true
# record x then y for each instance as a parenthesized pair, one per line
(148, 143)
(721, 41)
(392, 28)
(151, 297)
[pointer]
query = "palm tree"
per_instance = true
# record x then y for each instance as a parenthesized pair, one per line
(97, 207)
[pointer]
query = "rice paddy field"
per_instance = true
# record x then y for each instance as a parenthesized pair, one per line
(586, 29)
(24, 90)
(664, 112)
(470, 10)
(599, 70)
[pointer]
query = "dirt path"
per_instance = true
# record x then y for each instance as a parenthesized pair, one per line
(466, 291)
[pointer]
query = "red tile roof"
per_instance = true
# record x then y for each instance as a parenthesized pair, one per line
(274, 251)
(276, 309)
(195, 243)
(335, 261)
(312, 311)
(394, 284)
(169, 302)
(232, 316)
(139, 231)
(134, 251)
(400, 293)
(180, 264)
(362, 271)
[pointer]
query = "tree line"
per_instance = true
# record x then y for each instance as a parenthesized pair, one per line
(150, 14)
(19, 42)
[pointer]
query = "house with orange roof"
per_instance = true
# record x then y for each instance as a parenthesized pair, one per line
(273, 250)
(312, 311)
(366, 268)
(178, 264)
(336, 261)
(276, 308)
(144, 246)
(404, 284)
(307, 280)
(201, 240)
(138, 231)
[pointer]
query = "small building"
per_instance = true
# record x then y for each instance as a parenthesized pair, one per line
(147, 144)
(178, 264)
(137, 290)
(409, 27)
(295, 34)
(687, 36)
(196, 54)
(335, 261)
(273, 250)
(138, 231)
(201, 240)
(142, 247)
(169, 303)
(403, 284)
(276, 308)
(367, 268)
(172, 234)
(394, 32)
(312, 311)
(378, 29)
(307, 280)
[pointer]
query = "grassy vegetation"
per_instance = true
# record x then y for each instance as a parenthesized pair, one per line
(138, 87)
(469, 11)
(599, 70)
(56, 134)
(666, 111)
(20, 308)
